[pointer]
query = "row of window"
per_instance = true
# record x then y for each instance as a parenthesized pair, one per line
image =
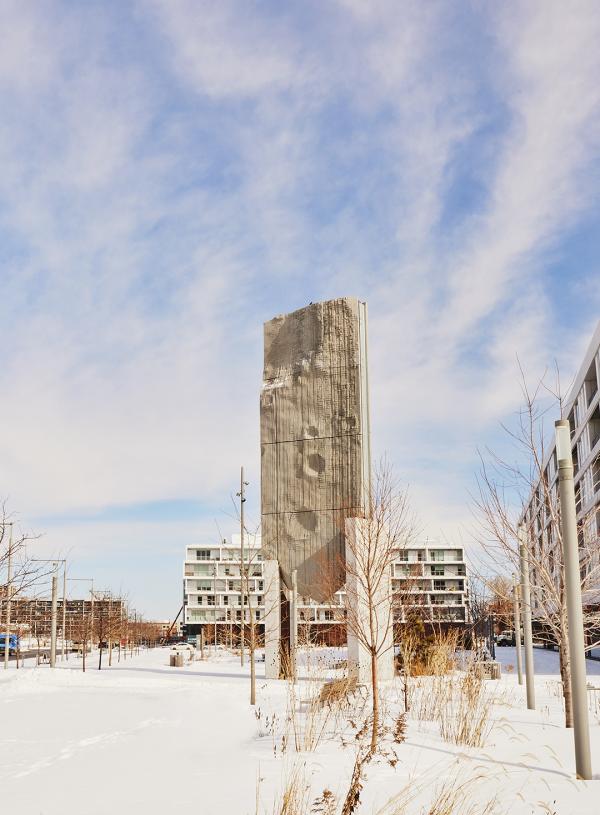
(207, 554)
(439, 555)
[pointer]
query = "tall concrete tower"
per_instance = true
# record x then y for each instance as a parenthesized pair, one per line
(315, 440)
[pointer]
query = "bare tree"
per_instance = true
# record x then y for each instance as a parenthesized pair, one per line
(501, 603)
(83, 632)
(20, 573)
(369, 558)
(505, 488)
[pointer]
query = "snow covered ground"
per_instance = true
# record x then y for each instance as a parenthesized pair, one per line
(142, 737)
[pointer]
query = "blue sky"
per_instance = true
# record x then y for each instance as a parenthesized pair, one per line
(176, 172)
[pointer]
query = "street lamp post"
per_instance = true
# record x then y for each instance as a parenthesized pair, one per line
(54, 612)
(527, 625)
(64, 612)
(568, 522)
(517, 629)
(242, 496)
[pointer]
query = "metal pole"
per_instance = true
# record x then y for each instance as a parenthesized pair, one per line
(64, 611)
(53, 620)
(527, 630)
(215, 614)
(517, 629)
(8, 597)
(242, 497)
(568, 522)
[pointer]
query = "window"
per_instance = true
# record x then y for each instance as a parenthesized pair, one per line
(211, 599)
(225, 600)
(202, 554)
(439, 585)
(403, 556)
(328, 615)
(437, 570)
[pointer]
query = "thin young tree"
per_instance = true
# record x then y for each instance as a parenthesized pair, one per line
(18, 572)
(388, 527)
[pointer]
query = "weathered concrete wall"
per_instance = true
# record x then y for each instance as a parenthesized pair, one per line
(314, 439)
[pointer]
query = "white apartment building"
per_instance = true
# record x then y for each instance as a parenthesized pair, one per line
(583, 411)
(428, 577)
(212, 583)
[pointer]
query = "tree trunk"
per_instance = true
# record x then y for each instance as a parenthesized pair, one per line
(565, 675)
(100, 658)
(83, 652)
(375, 730)
(252, 662)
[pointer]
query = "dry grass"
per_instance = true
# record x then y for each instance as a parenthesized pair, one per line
(465, 713)
(453, 796)
(308, 722)
(294, 798)
(460, 704)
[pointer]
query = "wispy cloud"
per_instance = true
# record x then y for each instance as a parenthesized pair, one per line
(174, 173)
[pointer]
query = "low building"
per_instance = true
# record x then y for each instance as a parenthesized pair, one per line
(34, 616)
(428, 578)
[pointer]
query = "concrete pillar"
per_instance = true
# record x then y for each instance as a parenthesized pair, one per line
(359, 660)
(272, 602)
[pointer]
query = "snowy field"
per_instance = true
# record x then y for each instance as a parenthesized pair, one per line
(142, 737)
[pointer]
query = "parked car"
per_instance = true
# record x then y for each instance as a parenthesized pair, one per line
(506, 638)
(13, 643)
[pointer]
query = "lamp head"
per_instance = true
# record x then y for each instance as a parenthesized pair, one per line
(563, 440)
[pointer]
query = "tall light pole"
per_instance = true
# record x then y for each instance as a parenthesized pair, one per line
(64, 612)
(527, 626)
(8, 595)
(53, 619)
(517, 626)
(242, 496)
(568, 523)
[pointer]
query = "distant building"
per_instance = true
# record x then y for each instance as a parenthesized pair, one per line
(34, 616)
(428, 578)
